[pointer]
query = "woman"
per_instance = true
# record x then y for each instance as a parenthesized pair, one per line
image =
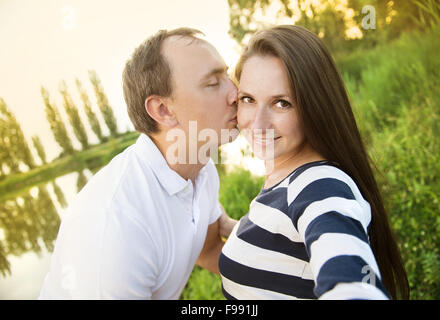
(318, 228)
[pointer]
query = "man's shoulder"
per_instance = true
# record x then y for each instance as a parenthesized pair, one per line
(212, 173)
(119, 196)
(122, 179)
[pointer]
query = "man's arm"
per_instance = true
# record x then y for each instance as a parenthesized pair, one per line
(208, 258)
(226, 223)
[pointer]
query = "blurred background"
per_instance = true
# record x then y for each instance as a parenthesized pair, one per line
(63, 116)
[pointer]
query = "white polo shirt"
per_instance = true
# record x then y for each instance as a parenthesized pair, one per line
(134, 231)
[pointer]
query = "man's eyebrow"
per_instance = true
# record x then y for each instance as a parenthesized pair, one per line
(214, 72)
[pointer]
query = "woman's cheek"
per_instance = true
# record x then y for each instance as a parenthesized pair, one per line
(244, 116)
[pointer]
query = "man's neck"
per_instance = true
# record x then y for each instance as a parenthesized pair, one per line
(186, 170)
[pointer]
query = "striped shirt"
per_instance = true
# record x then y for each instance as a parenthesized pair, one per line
(304, 238)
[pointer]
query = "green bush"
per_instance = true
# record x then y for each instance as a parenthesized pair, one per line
(391, 75)
(409, 155)
(237, 189)
(396, 103)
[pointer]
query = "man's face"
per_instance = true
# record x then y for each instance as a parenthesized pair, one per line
(201, 88)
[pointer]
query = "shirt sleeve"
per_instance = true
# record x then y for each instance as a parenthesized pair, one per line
(331, 222)
(215, 214)
(214, 181)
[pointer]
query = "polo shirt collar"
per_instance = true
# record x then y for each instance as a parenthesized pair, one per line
(170, 180)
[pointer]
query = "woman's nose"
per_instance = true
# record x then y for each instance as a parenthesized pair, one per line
(261, 119)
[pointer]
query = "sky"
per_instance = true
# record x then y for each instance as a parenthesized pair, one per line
(44, 42)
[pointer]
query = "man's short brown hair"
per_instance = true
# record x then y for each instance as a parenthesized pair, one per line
(146, 73)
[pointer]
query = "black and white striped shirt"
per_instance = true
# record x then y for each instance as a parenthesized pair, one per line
(304, 238)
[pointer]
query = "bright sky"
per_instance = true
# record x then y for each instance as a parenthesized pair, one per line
(46, 41)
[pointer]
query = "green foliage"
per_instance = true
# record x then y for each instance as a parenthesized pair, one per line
(59, 194)
(81, 181)
(104, 106)
(202, 285)
(394, 90)
(408, 153)
(7, 158)
(429, 13)
(56, 124)
(320, 18)
(380, 81)
(74, 118)
(15, 149)
(5, 266)
(237, 189)
(328, 19)
(29, 223)
(91, 116)
(40, 149)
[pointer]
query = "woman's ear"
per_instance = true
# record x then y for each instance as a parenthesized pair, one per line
(158, 109)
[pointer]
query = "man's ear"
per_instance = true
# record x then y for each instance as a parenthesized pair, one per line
(158, 109)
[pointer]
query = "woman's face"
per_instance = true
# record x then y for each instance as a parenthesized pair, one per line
(267, 115)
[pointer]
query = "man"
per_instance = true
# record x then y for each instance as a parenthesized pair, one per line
(137, 228)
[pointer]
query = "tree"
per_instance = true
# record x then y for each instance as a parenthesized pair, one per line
(326, 19)
(5, 266)
(59, 194)
(81, 181)
(56, 124)
(39, 148)
(73, 115)
(106, 109)
(91, 116)
(48, 217)
(331, 20)
(26, 221)
(6, 160)
(14, 139)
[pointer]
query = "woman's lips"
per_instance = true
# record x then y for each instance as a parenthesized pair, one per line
(265, 141)
(234, 120)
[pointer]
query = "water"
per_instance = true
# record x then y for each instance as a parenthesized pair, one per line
(28, 228)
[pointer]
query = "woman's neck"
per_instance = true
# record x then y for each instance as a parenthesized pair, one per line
(279, 168)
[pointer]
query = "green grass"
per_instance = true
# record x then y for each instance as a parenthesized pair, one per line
(395, 93)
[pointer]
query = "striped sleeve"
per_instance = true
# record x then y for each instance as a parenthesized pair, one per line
(332, 220)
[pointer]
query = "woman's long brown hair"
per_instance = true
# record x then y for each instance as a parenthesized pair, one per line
(330, 128)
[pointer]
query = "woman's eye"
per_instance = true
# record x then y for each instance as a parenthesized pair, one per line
(283, 104)
(246, 99)
(213, 84)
